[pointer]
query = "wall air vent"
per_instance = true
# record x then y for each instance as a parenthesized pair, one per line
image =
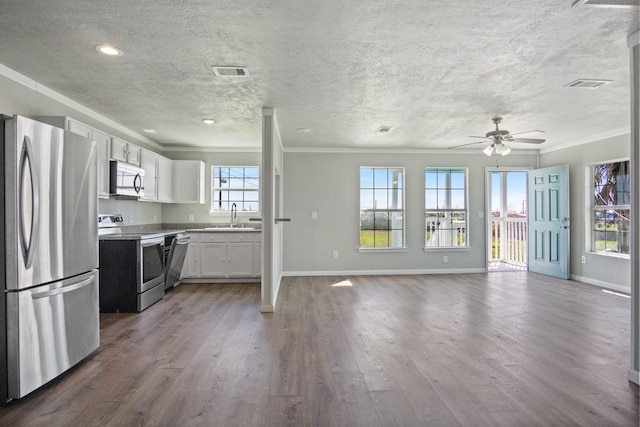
(607, 3)
(588, 83)
(230, 71)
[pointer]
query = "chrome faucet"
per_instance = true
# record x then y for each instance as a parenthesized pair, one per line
(234, 214)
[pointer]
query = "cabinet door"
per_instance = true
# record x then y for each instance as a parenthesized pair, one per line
(102, 146)
(164, 179)
(134, 154)
(212, 259)
(187, 181)
(118, 149)
(79, 128)
(149, 162)
(240, 259)
(257, 259)
(191, 267)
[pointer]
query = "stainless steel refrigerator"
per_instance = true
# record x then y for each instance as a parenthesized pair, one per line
(50, 314)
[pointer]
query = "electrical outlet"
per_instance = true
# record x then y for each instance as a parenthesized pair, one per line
(584, 259)
(314, 215)
(155, 218)
(335, 254)
(191, 218)
(130, 219)
(445, 259)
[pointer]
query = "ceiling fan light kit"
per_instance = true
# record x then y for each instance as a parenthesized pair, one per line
(501, 149)
(498, 137)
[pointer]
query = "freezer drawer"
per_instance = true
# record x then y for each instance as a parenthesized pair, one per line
(50, 328)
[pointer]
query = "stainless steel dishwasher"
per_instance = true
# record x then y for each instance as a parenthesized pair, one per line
(175, 260)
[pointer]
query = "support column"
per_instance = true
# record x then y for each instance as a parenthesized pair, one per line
(634, 55)
(266, 196)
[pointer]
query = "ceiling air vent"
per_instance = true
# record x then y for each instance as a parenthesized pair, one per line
(588, 83)
(607, 3)
(230, 71)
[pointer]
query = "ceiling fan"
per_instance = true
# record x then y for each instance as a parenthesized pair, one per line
(498, 137)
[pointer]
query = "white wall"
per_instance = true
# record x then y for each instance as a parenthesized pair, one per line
(603, 270)
(328, 183)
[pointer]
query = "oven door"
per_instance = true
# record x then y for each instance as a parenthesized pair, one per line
(151, 263)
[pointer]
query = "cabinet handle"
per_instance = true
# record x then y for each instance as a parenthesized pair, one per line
(277, 220)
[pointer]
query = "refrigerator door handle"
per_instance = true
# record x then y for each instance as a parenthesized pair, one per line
(28, 248)
(64, 289)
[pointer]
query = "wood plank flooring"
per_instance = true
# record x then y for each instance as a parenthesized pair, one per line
(498, 349)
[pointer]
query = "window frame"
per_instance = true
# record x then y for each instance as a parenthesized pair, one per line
(388, 210)
(593, 208)
(449, 209)
(214, 189)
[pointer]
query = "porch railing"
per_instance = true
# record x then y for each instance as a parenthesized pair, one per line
(509, 240)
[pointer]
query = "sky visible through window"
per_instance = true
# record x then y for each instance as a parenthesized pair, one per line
(516, 191)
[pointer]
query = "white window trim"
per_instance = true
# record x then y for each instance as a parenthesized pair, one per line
(403, 248)
(467, 246)
(589, 209)
(241, 214)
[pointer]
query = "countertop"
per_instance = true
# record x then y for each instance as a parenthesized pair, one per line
(224, 230)
(141, 235)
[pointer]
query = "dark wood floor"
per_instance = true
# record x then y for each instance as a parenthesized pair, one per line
(500, 349)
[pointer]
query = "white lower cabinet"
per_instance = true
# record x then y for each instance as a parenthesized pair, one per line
(219, 255)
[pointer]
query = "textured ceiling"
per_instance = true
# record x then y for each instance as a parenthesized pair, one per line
(437, 71)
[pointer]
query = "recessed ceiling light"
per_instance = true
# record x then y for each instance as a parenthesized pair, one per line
(384, 129)
(108, 49)
(208, 121)
(303, 130)
(150, 130)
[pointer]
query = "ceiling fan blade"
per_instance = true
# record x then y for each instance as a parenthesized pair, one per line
(529, 131)
(483, 137)
(528, 140)
(469, 143)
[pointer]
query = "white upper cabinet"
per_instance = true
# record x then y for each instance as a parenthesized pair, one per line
(124, 151)
(102, 146)
(157, 177)
(149, 162)
(164, 179)
(187, 181)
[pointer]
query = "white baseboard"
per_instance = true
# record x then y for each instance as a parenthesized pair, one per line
(634, 376)
(601, 284)
(383, 272)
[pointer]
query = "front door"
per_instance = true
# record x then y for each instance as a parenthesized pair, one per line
(549, 221)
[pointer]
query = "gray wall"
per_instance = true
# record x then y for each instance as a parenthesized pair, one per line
(16, 98)
(179, 213)
(328, 183)
(599, 269)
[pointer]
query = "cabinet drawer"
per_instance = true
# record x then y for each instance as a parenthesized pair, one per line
(239, 237)
(212, 237)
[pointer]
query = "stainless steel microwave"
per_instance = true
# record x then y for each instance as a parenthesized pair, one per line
(125, 179)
